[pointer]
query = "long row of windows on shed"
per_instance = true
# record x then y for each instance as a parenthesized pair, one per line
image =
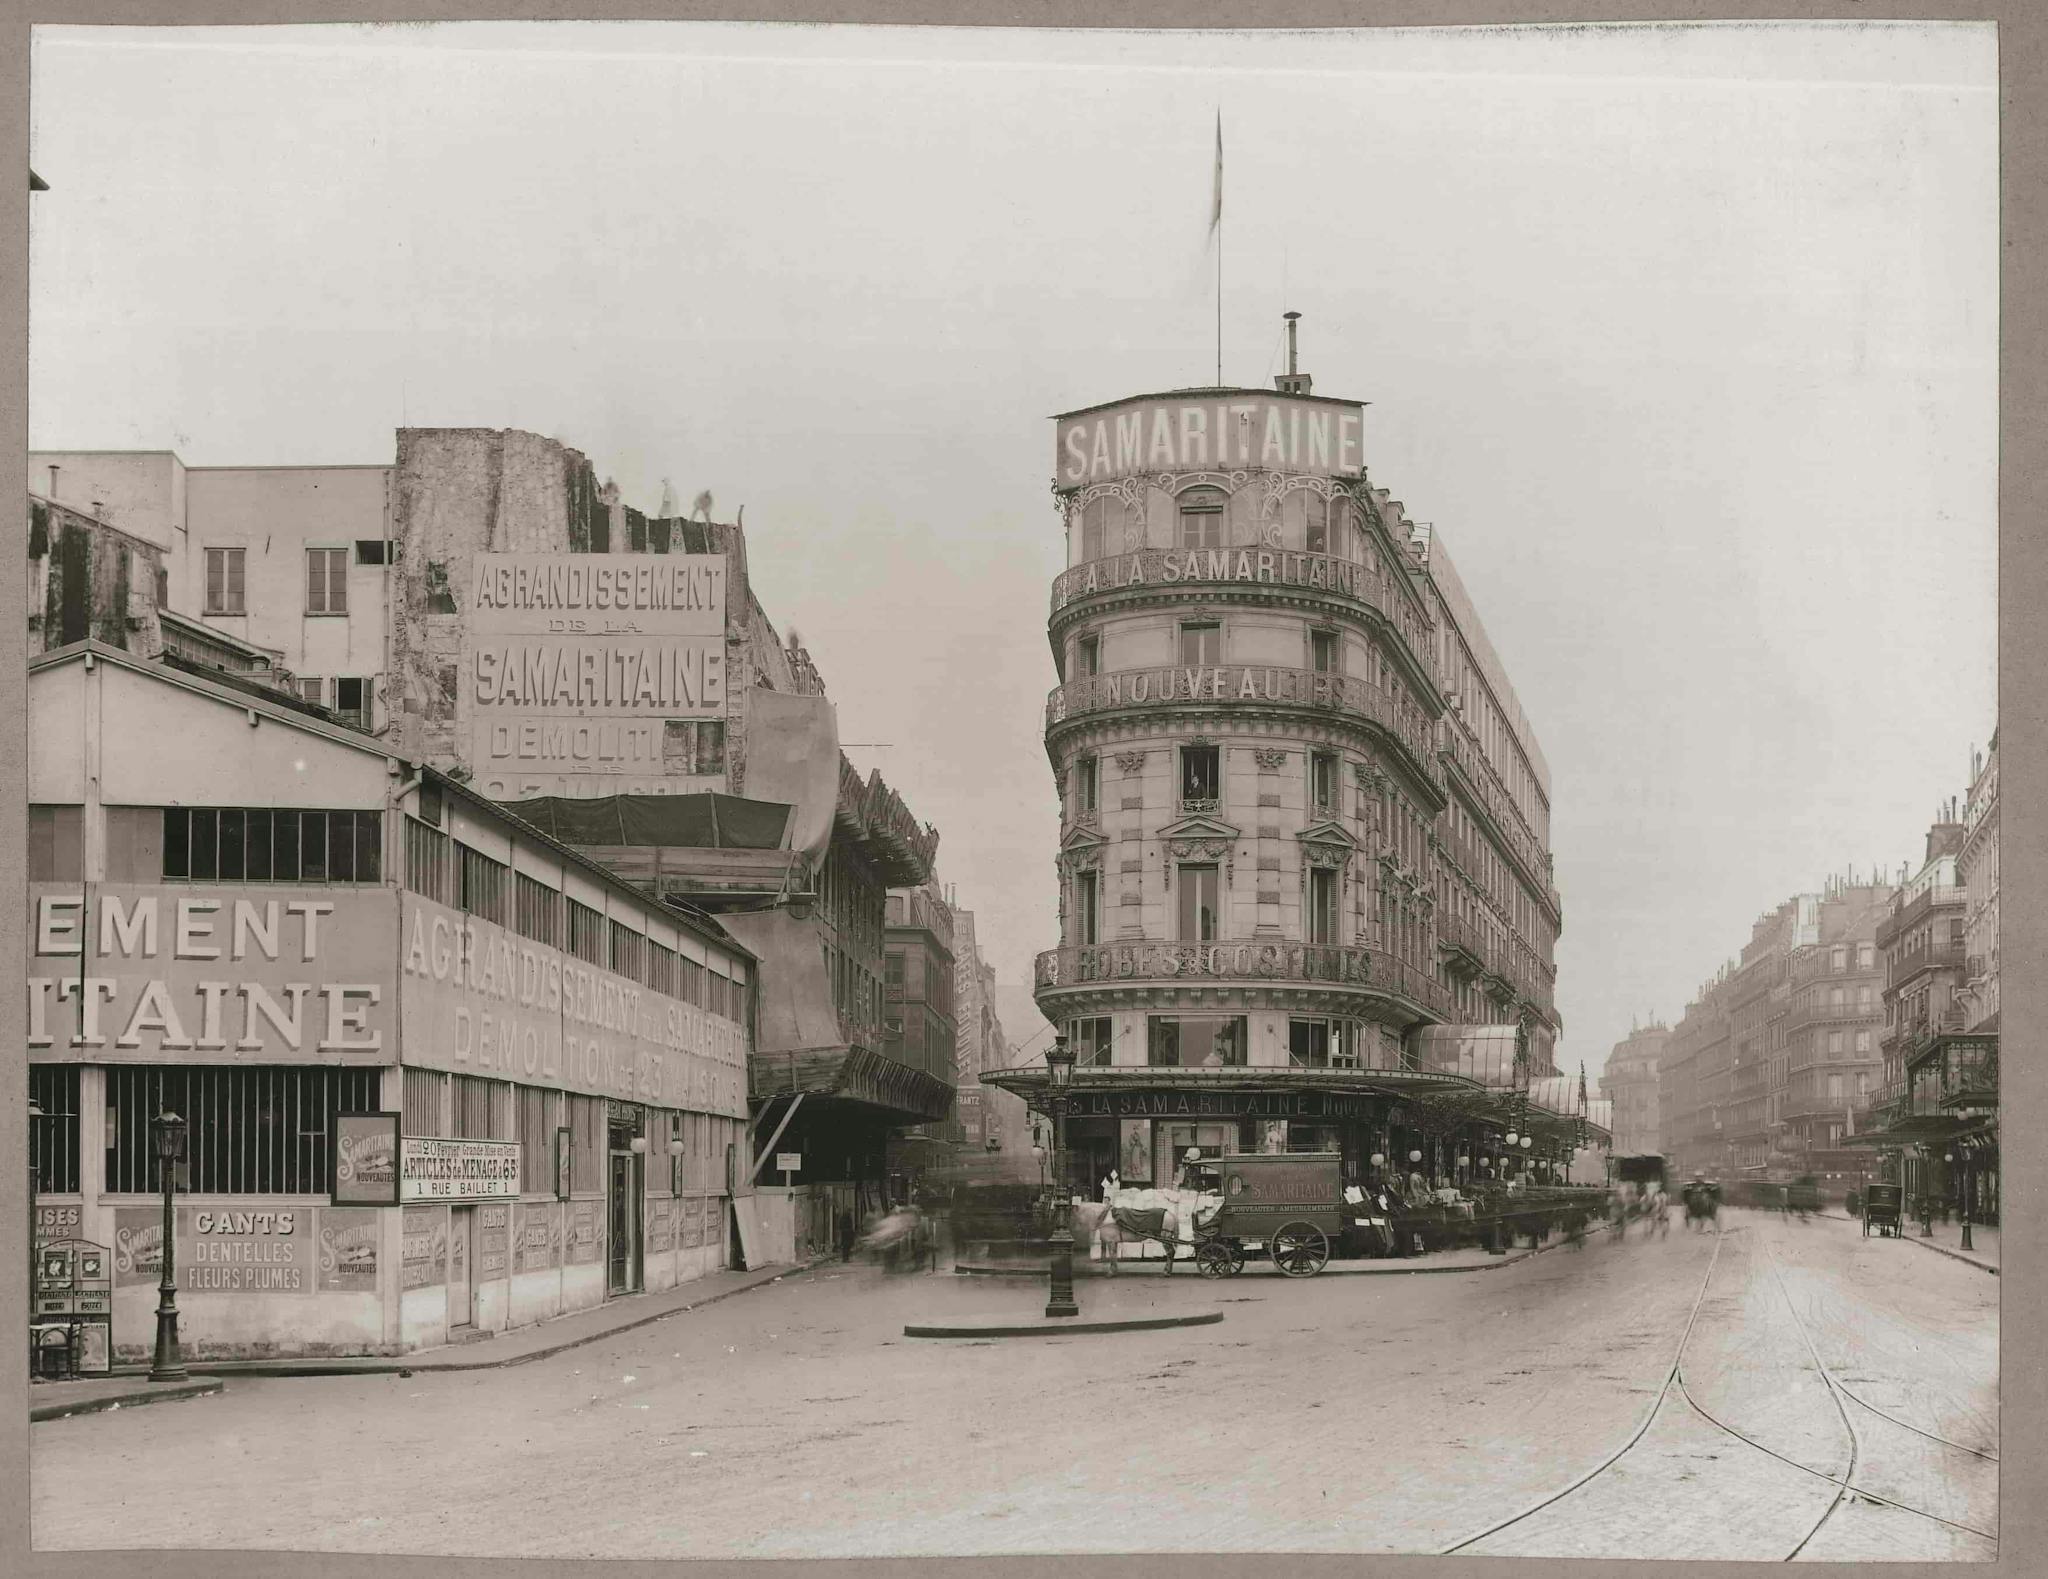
(453, 874)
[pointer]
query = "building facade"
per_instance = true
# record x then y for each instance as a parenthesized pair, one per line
(1977, 870)
(1762, 1074)
(1940, 1085)
(442, 1074)
(490, 607)
(1303, 817)
(1629, 1084)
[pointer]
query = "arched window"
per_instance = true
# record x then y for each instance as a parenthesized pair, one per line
(1201, 518)
(1315, 537)
(1102, 523)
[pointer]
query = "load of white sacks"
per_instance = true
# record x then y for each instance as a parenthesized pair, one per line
(1183, 1208)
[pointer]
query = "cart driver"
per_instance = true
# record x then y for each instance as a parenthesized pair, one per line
(1191, 1170)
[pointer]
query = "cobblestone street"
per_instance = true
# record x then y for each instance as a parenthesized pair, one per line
(1534, 1410)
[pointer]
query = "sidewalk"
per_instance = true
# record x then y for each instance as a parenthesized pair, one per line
(1948, 1239)
(128, 1385)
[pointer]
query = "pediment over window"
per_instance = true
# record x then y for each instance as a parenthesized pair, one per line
(1327, 843)
(1082, 848)
(1200, 827)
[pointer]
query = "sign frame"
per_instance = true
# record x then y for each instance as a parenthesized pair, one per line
(458, 1196)
(388, 1122)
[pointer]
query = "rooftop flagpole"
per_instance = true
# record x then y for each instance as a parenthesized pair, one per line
(1216, 229)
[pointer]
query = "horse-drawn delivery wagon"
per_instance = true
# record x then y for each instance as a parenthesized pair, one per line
(1882, 1205)
(1290, 1205)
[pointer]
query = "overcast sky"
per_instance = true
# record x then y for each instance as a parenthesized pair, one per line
(1683, 338)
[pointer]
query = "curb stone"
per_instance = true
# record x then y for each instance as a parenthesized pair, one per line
(1058, 1328)
(136, 1400)
(423, 1362)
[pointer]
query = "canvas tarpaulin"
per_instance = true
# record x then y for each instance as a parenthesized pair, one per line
(796, 1012)
(699, 822)
(793, 756)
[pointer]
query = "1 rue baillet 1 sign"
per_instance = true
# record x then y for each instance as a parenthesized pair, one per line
(574, 665)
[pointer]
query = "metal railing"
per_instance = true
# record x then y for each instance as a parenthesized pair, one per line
(1902, 966)
(1907, 915)
(1341, 581)
(1253, 684)
(1237, 960)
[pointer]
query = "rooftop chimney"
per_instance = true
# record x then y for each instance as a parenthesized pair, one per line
(1293, 381)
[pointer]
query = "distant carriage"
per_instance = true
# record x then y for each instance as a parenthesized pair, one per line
(1702, 1203)
(1882, 1205)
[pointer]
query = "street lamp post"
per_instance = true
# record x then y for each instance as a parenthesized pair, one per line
(169, 1131)
(1059, 1059)
(1962, 1195)
(1926, 1195)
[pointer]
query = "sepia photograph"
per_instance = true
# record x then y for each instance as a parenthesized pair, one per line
(965, 792)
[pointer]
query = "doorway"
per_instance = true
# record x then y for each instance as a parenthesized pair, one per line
(461, 1286)
(625, 1196)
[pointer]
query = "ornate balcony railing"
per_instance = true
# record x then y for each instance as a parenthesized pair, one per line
(1262, 684)
(1905, 916)
(1802, 1015)
(1232, 960)
(1903, 966)
(1454, 932)
(1208, 569)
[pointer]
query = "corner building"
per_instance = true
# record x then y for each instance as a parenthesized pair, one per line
(1303, 817)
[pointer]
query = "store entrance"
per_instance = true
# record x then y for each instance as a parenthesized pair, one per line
(461, 1288)
(625, 1195)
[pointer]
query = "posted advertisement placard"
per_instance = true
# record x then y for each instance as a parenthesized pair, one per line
(365, 1159)
(431, 1168)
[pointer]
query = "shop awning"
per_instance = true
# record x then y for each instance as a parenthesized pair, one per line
(1033, 1083)
(1918, 1130)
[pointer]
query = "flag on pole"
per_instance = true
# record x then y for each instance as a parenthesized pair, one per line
(1216, 211)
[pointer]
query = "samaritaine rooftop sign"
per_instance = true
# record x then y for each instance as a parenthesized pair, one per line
(1210, 430)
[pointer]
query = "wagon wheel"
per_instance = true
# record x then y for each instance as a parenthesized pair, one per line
(1218, 1258)
(1300, 1250)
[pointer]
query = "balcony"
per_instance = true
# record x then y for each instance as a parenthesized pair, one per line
(1904, 918)
(1230, 963)
(1804, 1014)
(1278, 572)
(1919, 1037)
(1463, 943)
(1903, 967)
(1254, 685)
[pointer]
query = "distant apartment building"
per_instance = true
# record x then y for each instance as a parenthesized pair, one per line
(1940, 1085)
(1629, 1086)
(1763, 1072)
